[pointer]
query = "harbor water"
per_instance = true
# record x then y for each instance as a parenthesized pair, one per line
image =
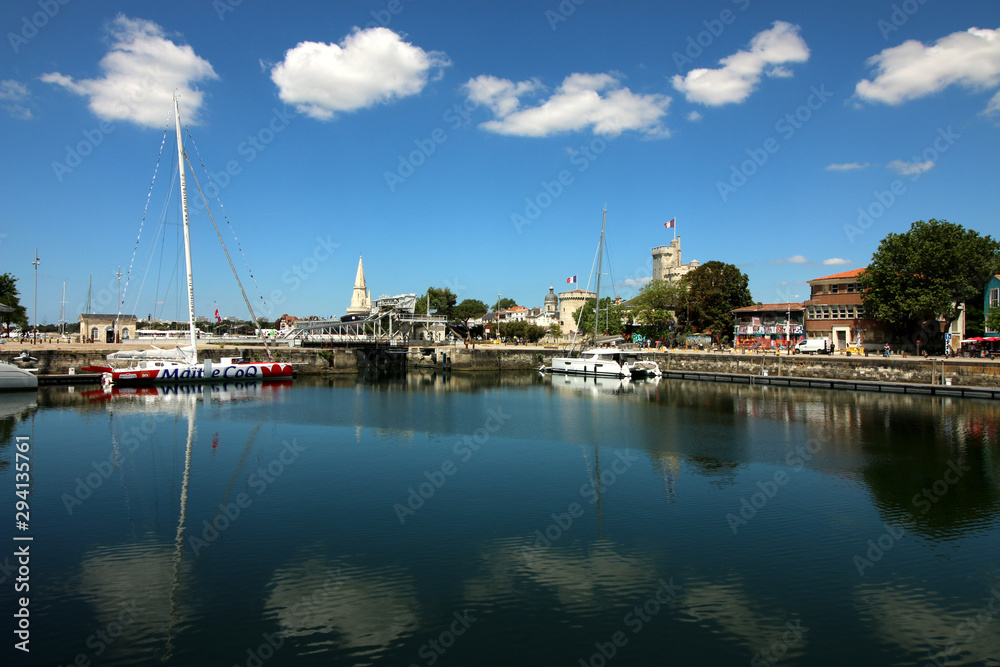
(478, 519)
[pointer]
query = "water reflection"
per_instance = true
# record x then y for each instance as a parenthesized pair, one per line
(360, 608)
(321, 556)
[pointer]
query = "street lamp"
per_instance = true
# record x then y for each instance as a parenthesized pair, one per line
(497, 318)
(36, 263)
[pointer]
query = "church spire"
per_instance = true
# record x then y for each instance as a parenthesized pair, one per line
(361, 302)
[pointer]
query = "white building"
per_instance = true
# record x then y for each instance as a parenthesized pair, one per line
(361, 299)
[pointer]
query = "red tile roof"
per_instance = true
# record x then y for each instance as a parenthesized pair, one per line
(853, 273)
(784, 305)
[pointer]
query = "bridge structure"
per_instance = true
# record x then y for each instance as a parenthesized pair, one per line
(391, 322)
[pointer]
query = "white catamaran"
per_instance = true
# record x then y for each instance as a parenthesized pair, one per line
(598, 361)
(181, 364)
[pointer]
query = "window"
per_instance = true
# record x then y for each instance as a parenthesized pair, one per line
(834, 289)
(995, 298)
(851, 288)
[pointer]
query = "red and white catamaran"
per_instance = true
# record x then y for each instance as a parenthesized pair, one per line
(181, 364)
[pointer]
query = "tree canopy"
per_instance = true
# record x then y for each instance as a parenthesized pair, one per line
(612, 318)
(652, 308)
(470, 309)
(9, 296)
(442, 301)
(506, 303)
(921, 274)
(714, 290)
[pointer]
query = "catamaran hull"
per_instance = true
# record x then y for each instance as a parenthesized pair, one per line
(199, 373)
(596, 367)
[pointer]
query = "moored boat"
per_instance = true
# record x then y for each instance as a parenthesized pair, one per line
(13, 378)
(181, 364)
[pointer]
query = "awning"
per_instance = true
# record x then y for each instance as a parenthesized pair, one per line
(976, 339)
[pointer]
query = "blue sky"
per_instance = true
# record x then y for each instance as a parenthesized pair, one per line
(473, 145)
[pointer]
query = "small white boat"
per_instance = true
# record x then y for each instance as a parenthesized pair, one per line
(13, 378)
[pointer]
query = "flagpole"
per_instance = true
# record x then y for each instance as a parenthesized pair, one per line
(675, 229)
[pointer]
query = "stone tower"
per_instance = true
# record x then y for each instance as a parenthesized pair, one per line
(667, 262)
(361, 301)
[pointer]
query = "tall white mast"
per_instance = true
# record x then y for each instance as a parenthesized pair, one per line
(187, 231)
(600, 263)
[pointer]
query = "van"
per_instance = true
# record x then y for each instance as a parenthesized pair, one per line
(814, 346)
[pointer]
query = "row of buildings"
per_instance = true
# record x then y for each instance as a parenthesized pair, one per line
(835, 310)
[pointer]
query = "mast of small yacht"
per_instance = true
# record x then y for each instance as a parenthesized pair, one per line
(187, 230)
(600, 265)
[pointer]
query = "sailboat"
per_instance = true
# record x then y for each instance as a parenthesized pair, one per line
(598, 361)
(181, 365)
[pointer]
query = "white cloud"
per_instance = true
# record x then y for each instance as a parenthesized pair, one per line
(141, 72)
(911, 70)
(694, 116)
(368, 67)
(847, 166)
(741, 72)
(14, 97)
(836, 261)
(910, 168)
(637, 283)
(582, 101)
(794, 259)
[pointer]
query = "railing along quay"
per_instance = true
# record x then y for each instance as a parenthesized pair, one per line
(832, 383)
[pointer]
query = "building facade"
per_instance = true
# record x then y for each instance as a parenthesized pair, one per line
(569, 302)
(667, 264)
(107, 328)
(991, 299)
(769, 325)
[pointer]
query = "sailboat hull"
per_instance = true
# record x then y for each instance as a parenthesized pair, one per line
(166, 372)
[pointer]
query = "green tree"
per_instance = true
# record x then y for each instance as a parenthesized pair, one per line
(442, 302)
(921, 274)
(470, 309)
(9, 296)
(993, 319)
(714, 289)
(520, 329)
(506, 303)
(612, 318)
(652, 308)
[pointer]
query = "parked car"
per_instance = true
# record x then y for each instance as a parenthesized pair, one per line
(815, 346)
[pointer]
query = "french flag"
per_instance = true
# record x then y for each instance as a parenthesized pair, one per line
(571, 279)
(670, 224)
